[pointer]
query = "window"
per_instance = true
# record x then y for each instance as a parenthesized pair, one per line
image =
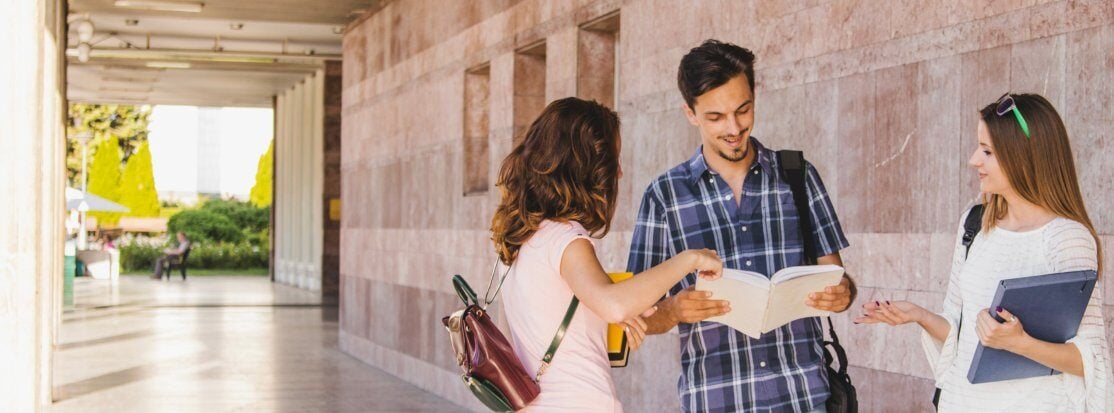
(597, 58)
(476, 157)
(529, 87)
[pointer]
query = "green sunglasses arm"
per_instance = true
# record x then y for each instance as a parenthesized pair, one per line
(1021, 121)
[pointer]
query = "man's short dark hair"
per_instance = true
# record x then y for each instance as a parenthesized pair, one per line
(710, 65)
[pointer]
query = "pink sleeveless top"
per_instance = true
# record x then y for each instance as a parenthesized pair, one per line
(536, 297)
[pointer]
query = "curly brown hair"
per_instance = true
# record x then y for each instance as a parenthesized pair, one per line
(566, 168)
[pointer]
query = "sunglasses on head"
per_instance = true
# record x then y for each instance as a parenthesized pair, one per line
(1005, 105)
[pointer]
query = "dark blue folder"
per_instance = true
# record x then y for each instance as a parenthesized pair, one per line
(1050, 308)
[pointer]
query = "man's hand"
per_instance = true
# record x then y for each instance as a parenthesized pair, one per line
(691, 306)
(835, 298)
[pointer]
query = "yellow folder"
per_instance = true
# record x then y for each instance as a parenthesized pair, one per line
(617, 350)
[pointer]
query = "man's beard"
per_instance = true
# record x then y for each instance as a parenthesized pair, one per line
(736, 156)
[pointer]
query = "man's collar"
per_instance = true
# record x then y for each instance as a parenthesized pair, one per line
(698, 166)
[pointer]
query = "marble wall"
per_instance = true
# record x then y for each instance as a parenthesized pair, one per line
(32, 173)
(882, 95)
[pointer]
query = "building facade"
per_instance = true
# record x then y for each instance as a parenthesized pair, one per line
(882, 96)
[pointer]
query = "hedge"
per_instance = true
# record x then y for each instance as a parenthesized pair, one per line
(141, 256)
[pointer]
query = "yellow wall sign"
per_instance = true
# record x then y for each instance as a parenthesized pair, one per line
(334, 209)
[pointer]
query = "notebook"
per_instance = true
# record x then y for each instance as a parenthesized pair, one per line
(617, 350)
(760, 304)
(1050, 308)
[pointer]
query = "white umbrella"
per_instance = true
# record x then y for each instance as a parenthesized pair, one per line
(88, 202)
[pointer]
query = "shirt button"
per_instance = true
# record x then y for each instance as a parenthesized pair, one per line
(744, 228)
(727, 198)
(748, 263)
(711, 180)
(756, 172)
(762, 364)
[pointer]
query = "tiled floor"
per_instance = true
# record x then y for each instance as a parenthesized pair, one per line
(214, 344)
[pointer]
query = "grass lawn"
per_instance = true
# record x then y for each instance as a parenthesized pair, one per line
(191, 272)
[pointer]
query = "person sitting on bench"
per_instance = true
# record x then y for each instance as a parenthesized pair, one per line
(172, 255)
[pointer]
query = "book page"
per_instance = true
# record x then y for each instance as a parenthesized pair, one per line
(790, 273)
(749, 277)
(787, 298)
(748, 296)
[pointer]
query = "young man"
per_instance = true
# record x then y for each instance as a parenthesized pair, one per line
(730, 197)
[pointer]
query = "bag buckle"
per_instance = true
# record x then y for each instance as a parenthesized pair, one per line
(541, 371)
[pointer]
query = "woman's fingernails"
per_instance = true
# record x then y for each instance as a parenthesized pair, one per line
(877, 303)
(998, 309)
(887, 303)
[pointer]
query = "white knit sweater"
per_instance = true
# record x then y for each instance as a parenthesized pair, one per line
(1059, 246)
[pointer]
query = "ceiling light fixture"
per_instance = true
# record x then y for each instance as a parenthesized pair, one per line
(338, 29)
(236, 26)
(85, 31)
(131, 22)
(83, 51)
(162, 5)
(169, 65)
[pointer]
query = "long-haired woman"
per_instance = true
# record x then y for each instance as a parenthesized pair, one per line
(559, 186)
(1034, 224)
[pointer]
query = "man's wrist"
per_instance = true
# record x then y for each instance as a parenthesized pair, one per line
(854, 290)
(665, 309)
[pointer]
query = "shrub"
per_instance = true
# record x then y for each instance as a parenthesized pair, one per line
(203, 225)
(245, 215)
(227, 256)
(139, 256)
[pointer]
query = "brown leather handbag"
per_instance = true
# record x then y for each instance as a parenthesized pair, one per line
(491, 369)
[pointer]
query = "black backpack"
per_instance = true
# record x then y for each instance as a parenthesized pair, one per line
(971, 227)
(843, 398)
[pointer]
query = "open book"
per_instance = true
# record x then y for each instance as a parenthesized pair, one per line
(760, 304)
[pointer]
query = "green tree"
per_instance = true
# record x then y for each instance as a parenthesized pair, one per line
(261, 192)
(104, 178)
(137, 186)
(246, 216)
(126, 123)
(202, 225)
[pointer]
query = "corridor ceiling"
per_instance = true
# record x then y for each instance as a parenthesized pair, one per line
(203, 53)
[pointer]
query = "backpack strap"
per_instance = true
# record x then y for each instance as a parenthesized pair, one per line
(791, 164)
(840, 354)
(971, 227)
(792, 167)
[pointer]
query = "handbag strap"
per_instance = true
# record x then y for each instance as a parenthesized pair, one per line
(490, 281)
(557, 337)
(464, 291)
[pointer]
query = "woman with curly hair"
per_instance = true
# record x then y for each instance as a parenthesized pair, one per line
(559, 187)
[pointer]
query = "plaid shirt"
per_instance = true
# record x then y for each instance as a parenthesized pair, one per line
(691, 206)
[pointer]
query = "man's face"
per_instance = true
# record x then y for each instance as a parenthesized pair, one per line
(181, 236)
(725, 117)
